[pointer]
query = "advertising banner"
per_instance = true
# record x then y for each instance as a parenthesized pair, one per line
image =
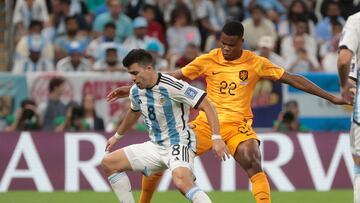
(317, 113)
(78, 84)
(71, 162)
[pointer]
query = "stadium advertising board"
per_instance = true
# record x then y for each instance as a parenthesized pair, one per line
(316, 113)
(70, 161)
(79, 84)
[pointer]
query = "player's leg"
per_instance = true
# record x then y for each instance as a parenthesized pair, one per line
(249, 157)
(243, 144)
(148, 186)
(203, 137)
(184, 182)
(115, 164)
(181, 165)
(355, 150)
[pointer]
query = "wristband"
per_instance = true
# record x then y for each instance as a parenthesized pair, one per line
(118, 136)
(215, 137)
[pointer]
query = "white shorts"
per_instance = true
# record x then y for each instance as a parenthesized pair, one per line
(150, 158)
(355, 139)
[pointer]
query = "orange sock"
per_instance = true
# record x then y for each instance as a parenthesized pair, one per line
(148, 187)
(260, 188)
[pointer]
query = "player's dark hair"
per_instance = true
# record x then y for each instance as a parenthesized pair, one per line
(139, 56)
(55, 82)
(233, 28)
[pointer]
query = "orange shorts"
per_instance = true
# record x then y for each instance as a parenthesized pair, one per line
(232, 133)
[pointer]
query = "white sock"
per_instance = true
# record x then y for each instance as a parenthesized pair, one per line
(357, 184)
(196, 195)
(120, 183)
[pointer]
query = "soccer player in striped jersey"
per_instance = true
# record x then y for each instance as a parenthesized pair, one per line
(349, 61)
(231, 74)
(164, 103)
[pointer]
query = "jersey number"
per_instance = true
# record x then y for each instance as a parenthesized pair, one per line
(151, 112)
(184, 153)
(225, 87)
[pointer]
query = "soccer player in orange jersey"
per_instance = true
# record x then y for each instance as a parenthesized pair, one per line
(231, 74)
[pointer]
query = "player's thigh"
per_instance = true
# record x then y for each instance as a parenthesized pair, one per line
(116, 160)
(203, 136)
(145, 157)
(355, 142)
(236, 133)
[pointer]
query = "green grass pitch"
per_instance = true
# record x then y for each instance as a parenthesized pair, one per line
(308, 196)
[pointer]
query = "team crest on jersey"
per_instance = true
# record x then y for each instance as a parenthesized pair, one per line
(243, 75)
(162, 100)
(191, 93)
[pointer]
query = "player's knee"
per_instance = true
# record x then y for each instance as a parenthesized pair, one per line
(181, 182)
(106, 164)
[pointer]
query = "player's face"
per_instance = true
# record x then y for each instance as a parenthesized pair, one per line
(231, 46)
(140, 75)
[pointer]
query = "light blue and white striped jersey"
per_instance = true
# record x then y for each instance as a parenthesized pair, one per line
(350, 37)
(165, 109)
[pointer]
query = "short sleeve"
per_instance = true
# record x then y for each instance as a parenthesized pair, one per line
(134, 99)
(194, 69)
(266, 69)
(353, 69)
(350, 35)
(188, 94)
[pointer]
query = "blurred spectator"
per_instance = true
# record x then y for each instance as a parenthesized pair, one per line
(97, 7)
(170, 6)
(61, 10)
(154, 29)
(181, 32)
(6, 108)
(257, 26)
(75, 61)
(97, 47)
(75, 119)
(212, 42)
(288, 49)
(63, 42)
(265, 49)
(34, 62)
(234, 10)
(34, 34)
(155, 49)
(139, 40)
(54, 110)
(297, 10)
(266, 4)
(288, 119)
(123, 22)
(211, 17)
(134, 7)
(26, 11)
(329, 50)
(92, 120)
(347, 7)
(301, 61)
(324, 27)
(110, 63)
(27, 117)
(190, 53)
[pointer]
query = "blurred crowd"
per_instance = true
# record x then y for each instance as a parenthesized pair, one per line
(95, 35)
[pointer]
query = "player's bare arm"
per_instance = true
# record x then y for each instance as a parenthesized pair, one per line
(343, 64)
(130, 119)
(305, 85)
(218, 145)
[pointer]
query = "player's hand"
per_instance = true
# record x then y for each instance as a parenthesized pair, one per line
(110, 143)
(348, 93)
(220, 149)
(117, 93)
(340, 101)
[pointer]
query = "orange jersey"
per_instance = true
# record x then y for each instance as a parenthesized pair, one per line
(230, 84)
